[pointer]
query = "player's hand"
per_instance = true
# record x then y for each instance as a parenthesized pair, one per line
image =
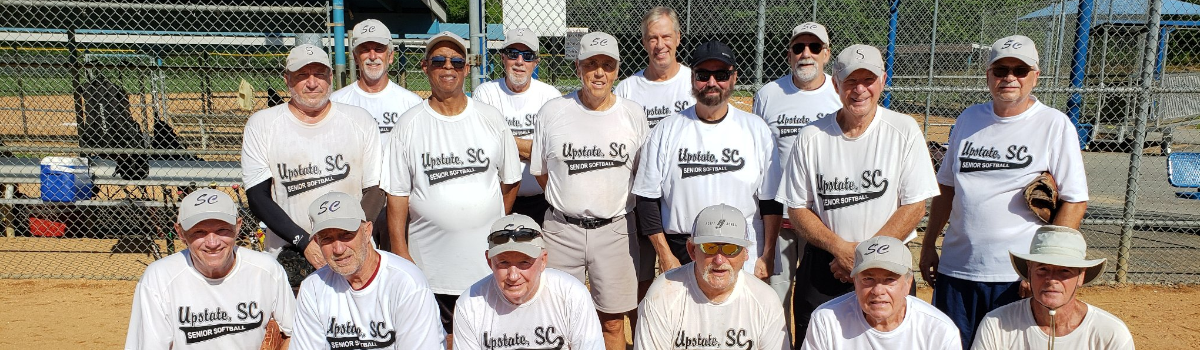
(842, 274)
(843, 261)
(1025, 290)
(313, 254)
(666, 262)
(929, 264)
(764, 267)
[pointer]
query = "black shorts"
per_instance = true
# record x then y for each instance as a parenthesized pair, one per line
(532, 206)
(446, 310)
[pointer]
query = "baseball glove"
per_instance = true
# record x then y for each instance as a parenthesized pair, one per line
(274, 338)
(1041, 196)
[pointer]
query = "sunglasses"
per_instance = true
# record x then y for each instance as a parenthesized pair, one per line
(512, 54)
(728, 249)
(519, 235)
(721, 75)
(1004, 71)
(816, 48)
(440, 61)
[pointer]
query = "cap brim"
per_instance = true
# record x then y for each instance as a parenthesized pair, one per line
(823, 39)
(296, 66)
(583, 56)
(529, 250)
(1020, 263)
(381, 41)
(724, 60)
(845, 72)
(348, 224)
(190, 221)
(879, 264)
(438, 39)
(1032, 62)
(718, 239)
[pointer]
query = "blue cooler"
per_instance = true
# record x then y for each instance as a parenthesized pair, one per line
(65, 179)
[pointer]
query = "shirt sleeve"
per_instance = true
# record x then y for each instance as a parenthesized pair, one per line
(396, 165)
(285, 302)
(149, 325)
(771, 171)
(948, 169)
(1066, 165)
(255, 166)
(309, 332)
(814, 338)
(424, 328)
(986, 337)
(467, 336)
(586, 333)
(537, 157)
(653, 330)
(373, 156)
(794, 191)
(651, 171)
(917, 179)
(760, 107)
(775, 334)
(510, 167)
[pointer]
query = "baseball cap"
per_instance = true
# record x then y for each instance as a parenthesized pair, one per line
(720, 224)
(1016, 46)
(514, 223)
(814, 28)
(304, 54)
(1057, 245)
(857, 57)
(336, 210)
(521, 36)
(882, 252)
(371, 30)
(598, 43)
(446, 36)
(205, 204)
(713, 50)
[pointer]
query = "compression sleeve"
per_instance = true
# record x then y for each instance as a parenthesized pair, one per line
(276, 219)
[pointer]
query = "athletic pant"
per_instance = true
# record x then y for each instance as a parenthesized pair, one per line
(966, 302)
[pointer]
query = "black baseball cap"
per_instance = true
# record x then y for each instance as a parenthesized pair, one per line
(713, 50)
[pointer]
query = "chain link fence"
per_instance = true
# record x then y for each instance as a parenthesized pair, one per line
(1131, 78)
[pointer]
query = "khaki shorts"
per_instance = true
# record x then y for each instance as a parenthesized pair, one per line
(791, 249)
(605, 256)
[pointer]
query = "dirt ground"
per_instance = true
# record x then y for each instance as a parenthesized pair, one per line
(85, 314)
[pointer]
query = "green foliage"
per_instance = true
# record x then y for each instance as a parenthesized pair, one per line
(457, 11)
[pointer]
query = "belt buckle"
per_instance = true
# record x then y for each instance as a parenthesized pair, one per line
(591, 223)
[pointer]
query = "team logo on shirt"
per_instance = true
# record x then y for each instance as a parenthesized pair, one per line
(347, 335)
(582, 159)
(791, 125)
(206, 324)
(521, 127)
(444, 167)
(733, 339)
(702, 163)
(843, 192)
(657, 113)
(388, 122)
(544, 338)
(984, 158)
(303, 178)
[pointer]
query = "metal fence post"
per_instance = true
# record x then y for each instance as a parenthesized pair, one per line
(929, 79)
(1083, 27)
(759, 45)
(339, 44)
(890, 56)
(475, 15)
(1139, 139)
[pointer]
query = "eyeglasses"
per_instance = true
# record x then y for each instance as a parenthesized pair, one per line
(519, 235)
(798, 48)
(1004, 71)
(440, 61)
(721, 75)
(512, 54)
(728, 249)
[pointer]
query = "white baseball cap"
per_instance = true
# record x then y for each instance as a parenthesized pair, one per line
(814, 28)
(336, 210)
(521, 36)
(857, 57)
(371, 30)
(446, 36)
(1061, 246)
(1016, 46)
(528, 238)
(598, 43)
(720, 224)
(882, 252)
(206, 204)
(304, 54)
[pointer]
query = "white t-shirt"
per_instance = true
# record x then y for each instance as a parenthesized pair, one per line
(786, 108)
(395, 311)
(450, 168)
(559, 316)
(1012, 327)
(691, 164)
(520, 111)
(337, 154)
(855, 184)
(386, 106)
(677, 315)
(659, 99)
(174, 306)
(989, 162)
(840, 324)
(590, 156)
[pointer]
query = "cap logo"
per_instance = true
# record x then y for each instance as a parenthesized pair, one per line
(205, 199)
(599, 42)
(368, 29)
(1011, 44)
(808, 26)
(721, 223)
(521, 32)
(877, 248)
(510, 227)
(329, 207)
(861, 56)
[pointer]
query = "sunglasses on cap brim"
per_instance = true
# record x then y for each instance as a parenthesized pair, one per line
(520, 235)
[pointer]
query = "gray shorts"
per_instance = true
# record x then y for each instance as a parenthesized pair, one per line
(791, 248)
(606, 256)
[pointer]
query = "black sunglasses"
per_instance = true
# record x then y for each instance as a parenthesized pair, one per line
(816, 48)
(721, 75)
(512, 54)
(520, 235)
(1004, 71)
(440, 61)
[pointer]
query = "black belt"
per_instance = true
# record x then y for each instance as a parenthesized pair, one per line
(590, 223)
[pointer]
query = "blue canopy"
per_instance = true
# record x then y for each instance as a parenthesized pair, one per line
(1122, 8)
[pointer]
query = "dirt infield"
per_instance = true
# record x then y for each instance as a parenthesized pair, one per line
(83, 314)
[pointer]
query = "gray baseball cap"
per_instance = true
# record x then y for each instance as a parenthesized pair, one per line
(1016, 46)
(516, 222)
(336, 210)
(446, 36)
(304, 54)
(371, 30)
(720, 223)
(521, 36)
(1057, 245)
(882, 252)
(598, 43)
(205, 204)
(813, 28)
(857, 57)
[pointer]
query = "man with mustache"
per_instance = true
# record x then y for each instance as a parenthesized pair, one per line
(709, 153)
(711, 302)
(860, 173)
(880, 313)
(994, 150)
(519, 96)
(451, 170)
(363, 298)
(294, 152)
(788, 104)
(371, 46)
